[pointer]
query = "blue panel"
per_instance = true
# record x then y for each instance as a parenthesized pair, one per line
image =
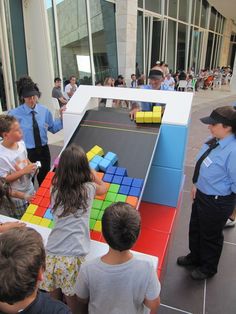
(112, 157)
(135, 191)
(107, 177)
(138, 183)
(104, 164)
(124, 189)
(171, 146)
(121, 171)
(48, 214)
(117, 179)
(127, 181)
(111, 170)
(163, 186)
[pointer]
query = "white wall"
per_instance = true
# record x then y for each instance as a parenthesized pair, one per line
(38, 47)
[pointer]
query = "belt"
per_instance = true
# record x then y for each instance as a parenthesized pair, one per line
(216, 197)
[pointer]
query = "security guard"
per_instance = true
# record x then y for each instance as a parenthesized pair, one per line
(213, 194)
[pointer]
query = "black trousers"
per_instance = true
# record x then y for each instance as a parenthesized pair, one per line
(41, 154)
(208, 217)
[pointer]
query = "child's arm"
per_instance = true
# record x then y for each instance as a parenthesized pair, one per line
(83, 305)
(152, 304)
(30, 168)
(21, 195)
(9, 225)
(100, 185)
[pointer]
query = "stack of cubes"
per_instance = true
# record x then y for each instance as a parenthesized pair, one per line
(120, 188)
(149, 116)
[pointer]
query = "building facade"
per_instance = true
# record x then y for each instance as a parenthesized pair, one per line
(93, 39)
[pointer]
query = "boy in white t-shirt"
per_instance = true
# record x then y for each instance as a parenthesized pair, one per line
(118, 282)
(14, 164)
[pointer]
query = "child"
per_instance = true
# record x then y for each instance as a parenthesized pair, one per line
(22, 263)
(7, 207)
(73, 189)
(118, 282)
(14, 164)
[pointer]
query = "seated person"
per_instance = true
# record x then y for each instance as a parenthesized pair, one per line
(22, 263)
(57, 93)
(118, 282)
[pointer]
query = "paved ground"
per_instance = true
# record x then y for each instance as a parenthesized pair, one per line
(180, 294)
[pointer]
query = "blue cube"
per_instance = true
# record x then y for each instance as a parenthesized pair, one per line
(112, 157)
(111, 170)
(135, 191)
(97, 159)
(124, 189)
(121, 171)
(137, 183)
(94, 165)
(117, 179)
(127, 181)
(107, 177)
(48, 214)
(104, 164)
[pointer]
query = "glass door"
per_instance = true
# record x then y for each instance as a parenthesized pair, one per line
(196, 49)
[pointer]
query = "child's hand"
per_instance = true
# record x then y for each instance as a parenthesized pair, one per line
(10, 225)
(28, 197)
(30, 168)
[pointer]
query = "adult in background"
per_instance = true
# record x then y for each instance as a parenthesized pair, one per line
(57, 93)
(71, 87)
(213, 194)
(35, 121)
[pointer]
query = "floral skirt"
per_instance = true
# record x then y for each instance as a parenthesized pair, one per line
(61, 272)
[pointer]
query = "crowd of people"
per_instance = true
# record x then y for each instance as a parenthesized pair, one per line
(34, 279)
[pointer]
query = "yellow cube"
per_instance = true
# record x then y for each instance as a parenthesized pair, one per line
(26, 217)
(148, 116)
(98, 226)
(31, 209)
(97, 150)
(35, 220)
(156, 117)
(140, 117)
(45, 222)
(157, 108)
(90, 155)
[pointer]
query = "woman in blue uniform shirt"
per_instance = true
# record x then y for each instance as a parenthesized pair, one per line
(213, 194)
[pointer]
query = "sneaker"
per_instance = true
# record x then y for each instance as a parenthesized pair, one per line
(196, 274)
(230, 223)
(185, 261)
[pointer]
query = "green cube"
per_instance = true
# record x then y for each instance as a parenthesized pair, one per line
(94, 213)
(110, 197)
(106, 204)
(121, 198)
(51, 224)
(97, 204)
(100, 215)
(114, 188)
(92, 223)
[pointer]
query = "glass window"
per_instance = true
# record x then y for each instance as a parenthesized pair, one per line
(204, 13)
(139, 44)
(140, 3)
(218, 24)
(153, 5)
(73, 36)
(212, 19)
(156, 41)
(197, 11)
(183, 10)
(209, 50)
(171, 40)
(181, 46)
(52, 33)
(103, 28)
(173, 8)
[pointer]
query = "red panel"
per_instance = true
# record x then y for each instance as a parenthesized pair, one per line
(95, 235)
(37, 200)
(41, 191)
(157, 217)
(45, 202)
(46, 184)
(40, 211)
(152, 242)
(48, 193)
(50, 175)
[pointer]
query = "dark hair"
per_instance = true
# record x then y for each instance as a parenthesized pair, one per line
(22, 255)
(57, 79)
(132, 75)
(6, 122)
(121, 226)
(26, 82)
(5, 190)
(69, 181)
(72, 76)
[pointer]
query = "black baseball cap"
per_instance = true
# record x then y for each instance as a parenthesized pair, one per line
(155, 75)
(225, 115)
